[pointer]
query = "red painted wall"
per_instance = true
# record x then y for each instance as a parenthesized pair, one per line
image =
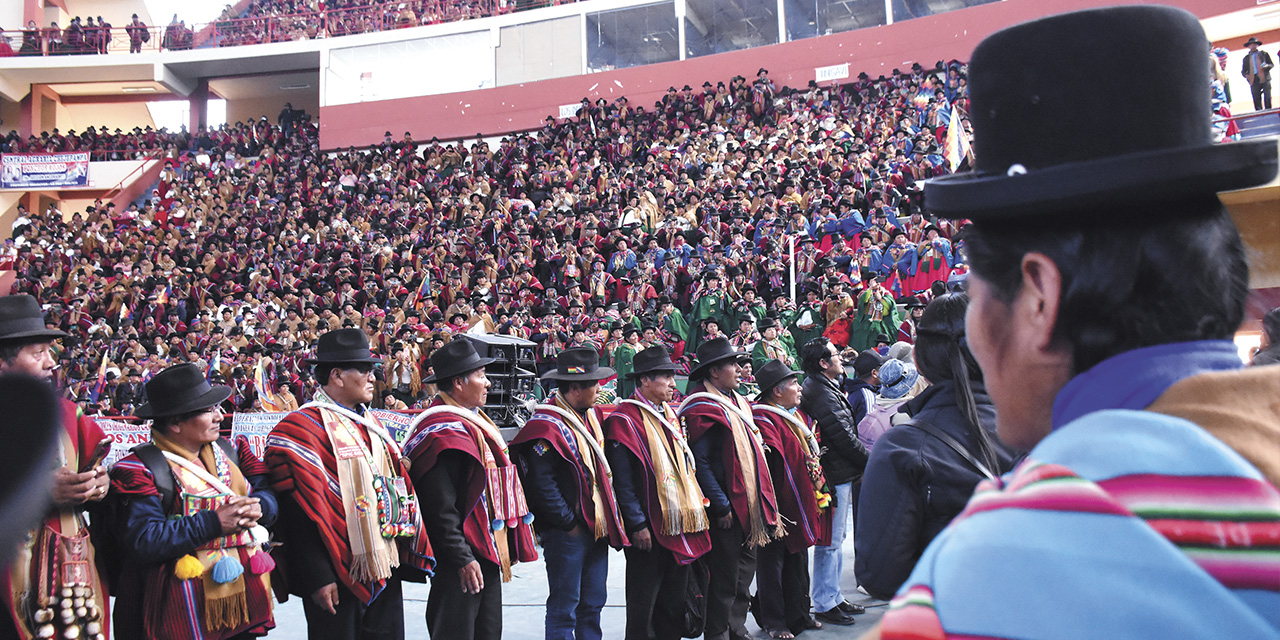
(876, 51)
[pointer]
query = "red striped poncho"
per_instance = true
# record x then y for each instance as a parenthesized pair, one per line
(303, 468)
(807, 525)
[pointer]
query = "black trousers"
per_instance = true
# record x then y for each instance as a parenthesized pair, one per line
(782, 588)
(1261, 95)
(732, 567)
(655, 594)
(382, 619)
(453, 614)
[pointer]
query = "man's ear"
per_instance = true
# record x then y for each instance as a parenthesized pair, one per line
(1036, 307)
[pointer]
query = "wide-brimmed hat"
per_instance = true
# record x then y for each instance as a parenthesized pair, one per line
(1037, 90)
(578, 364)
(457, 357)
(342, 346)
(180, 389)
(21, 318)
(897, 378)
(1253, 40)
(651, 360)
(772, 374)
(713, 352)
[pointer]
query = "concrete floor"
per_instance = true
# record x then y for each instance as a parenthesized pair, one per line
(524, 608)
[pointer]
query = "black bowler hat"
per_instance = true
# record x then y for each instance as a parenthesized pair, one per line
(342, 346)
(578, 363)
(770, 375)
(714, 352)
(1038, 90)
(651, 360)
(21, 317)
(457, 357)
(180, 389)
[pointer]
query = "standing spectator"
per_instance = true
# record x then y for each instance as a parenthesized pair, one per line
(32, 40)
(26, 346)
(1269, 350)
(659, 500)
(138, 34)
(345, 556)
(781, 602)
(457, 457)
(567, 483)
(218, 496)
(865, 383)
(1256, 68)
(734, 476)
(916, 482)
(843, 460)
(1128, 392)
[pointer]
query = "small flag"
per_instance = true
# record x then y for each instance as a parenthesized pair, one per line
(214, 365)
(957, 146)
(101, 383)
(163, 296)
(266, 386)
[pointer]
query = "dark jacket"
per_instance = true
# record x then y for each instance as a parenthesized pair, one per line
(550, 486)
(843, 456)
(915, 484)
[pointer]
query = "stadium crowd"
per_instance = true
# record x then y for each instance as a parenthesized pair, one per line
(677, 219)
(767, 245)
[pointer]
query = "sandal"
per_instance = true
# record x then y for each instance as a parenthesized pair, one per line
(780, 633)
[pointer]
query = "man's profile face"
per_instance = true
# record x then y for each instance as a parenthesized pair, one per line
(35, 359)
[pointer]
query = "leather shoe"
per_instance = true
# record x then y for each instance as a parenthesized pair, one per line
(835, 616)
(851, 608)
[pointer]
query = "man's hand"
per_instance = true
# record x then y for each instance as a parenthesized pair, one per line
(471, 577)
(725, 521)
(642, 540)
(326, 598)
(232, 515)
(70, 488)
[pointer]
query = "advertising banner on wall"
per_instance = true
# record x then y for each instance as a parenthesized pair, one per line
(42, 171)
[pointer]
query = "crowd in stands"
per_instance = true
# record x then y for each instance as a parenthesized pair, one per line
(255, 241)
(263, 21)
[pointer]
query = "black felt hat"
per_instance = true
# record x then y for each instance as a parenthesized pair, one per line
(342, 346)
(180, 389)
(578, 363)
(21, 318)
(772, 374)
(454, 359)
(1038, 90)
(651, 360)
(713, 352)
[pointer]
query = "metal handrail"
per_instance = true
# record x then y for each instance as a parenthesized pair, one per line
(1246, 116)
(119, 186)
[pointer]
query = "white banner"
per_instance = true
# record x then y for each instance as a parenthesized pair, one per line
(833, 72)
(570, 110)
(255, 427)
(124, 436)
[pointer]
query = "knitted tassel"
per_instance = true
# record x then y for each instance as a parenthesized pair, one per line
(226, 569)
(498, 524)
(261, 563)
(528, 518)
(188, 567)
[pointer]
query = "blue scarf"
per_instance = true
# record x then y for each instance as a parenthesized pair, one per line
(1134, 379)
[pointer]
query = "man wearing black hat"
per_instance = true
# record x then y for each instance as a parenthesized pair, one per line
(344, 547)
(734, 476)
(804, 499)
(843, 461)
(1256, 68)
(567, 480)
(457, 457)
(1120, 380)
(26, 346)
(658, 498)
(190, 518)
